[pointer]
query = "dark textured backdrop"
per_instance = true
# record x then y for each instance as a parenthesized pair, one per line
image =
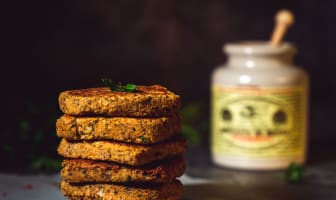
(56, 45)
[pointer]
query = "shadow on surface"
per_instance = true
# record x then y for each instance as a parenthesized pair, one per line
(276, 192)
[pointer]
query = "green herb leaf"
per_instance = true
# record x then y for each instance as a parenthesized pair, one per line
(294, 173)
(130, 87)
(118, 87)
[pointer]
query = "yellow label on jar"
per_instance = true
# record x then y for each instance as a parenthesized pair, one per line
(254, 122)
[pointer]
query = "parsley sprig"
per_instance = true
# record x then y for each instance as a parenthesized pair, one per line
(118, 87)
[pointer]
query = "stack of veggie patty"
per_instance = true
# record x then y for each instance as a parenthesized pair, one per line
(121, 145)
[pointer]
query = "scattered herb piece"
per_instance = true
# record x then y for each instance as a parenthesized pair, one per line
(143, 139)
(294, 173)
(118, 87)
(129, 179)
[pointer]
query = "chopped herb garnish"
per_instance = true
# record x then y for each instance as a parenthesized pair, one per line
(130, 87)
(118, 87)
(143, 139)
(294, 173)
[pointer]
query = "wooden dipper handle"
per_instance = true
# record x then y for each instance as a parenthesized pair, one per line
(283, 19)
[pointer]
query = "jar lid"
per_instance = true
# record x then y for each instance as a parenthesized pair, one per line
(259, 48)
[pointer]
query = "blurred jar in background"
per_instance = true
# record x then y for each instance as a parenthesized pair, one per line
(259, 108)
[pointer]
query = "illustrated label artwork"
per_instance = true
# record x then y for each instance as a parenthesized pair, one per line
(259, 122)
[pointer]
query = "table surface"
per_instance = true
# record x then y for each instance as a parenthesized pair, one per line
(203, 181)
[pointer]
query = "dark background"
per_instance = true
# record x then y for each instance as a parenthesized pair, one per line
(50, 46)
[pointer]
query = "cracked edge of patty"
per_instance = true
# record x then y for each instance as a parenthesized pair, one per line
(124, 153)
(79, 170)
(125, 129)
(169, 191)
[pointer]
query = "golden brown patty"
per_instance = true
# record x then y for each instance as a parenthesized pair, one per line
(124, 153)
(170, 191)
(126, 129)
(146, 101)
(78, 170)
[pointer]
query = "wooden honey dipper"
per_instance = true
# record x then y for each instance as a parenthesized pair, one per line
(283, 20)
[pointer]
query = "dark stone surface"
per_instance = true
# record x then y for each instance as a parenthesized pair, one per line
(319, 181)
(267, 192)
